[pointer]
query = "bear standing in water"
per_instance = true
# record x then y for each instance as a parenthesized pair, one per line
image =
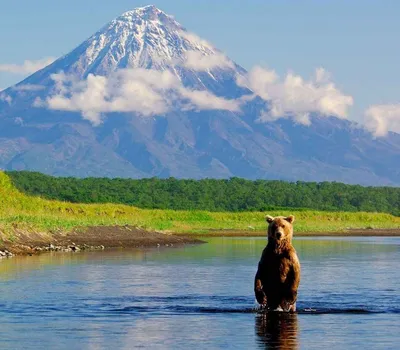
(278, 274)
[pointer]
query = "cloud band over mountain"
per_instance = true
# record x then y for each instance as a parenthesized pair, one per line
(145, 92)
(294, 97)
(148, 92)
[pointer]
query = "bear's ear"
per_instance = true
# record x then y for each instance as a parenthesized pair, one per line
(269, 218)
(290, 219)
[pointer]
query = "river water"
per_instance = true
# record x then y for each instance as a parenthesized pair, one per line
(201, 297)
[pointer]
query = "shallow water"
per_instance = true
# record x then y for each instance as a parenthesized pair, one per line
(201, 296)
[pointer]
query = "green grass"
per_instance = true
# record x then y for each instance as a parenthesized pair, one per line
(20, 212)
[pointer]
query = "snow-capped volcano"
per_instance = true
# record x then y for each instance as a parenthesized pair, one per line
(146, 38)
(145, 97)
(142, 39)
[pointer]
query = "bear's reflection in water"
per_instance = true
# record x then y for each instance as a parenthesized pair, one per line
(277, 330)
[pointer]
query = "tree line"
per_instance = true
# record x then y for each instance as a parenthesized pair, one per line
(233, 195)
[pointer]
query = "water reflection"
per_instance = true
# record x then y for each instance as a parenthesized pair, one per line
(277, 330)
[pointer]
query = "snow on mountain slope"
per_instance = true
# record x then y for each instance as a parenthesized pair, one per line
(143, 38)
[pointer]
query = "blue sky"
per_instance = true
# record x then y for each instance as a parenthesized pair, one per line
(356, 41)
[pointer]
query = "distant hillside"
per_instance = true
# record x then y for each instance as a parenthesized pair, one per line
(233, 195)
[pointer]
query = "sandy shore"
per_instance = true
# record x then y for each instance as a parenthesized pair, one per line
(94, 238)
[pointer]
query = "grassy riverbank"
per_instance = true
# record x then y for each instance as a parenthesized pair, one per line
(23, 213)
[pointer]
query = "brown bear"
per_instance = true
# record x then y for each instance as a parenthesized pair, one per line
(278, 275)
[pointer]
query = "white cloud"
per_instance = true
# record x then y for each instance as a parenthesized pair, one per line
(204, 100)
(28, 67)
(28, 87)
(5, 98)
(118, 93)
(380, 119)
(199, 61)
(295, 97)
(38, 102)
(192, 38)
(322, 76)
(141, 91)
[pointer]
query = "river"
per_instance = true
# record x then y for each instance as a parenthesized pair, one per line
(201, 297)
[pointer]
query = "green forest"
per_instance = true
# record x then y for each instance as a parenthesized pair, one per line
(232, 195)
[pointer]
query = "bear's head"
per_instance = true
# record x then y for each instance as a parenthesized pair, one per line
(280, 228)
